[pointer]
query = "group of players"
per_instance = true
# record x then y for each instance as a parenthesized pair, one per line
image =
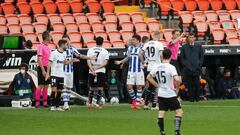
(56, 68)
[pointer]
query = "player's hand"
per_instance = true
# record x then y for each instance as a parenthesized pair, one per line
(183, 34)
(117, 62)
(47, 76)
(94, 57)
(76, 60)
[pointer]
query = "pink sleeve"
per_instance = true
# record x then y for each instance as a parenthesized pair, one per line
(39, 50)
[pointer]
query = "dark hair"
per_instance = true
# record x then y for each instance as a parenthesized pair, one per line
(137, 37)
(24, 65)
(65, 36)
(45, 35)
(144, 39)
(28, 44)
(190, 34)
(99, 41)
(166, 54)
(174, 31)
(226, 71)
(61, 42)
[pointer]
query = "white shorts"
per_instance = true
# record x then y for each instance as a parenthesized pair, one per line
(68, 81)
(136, 78)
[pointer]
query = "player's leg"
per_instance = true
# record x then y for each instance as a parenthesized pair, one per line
(53, 93)
(154, 99)
(100, 85)
(91, 91)
(68, 85)
(147, 96)
(130, 83)
(162, 109)
(140, 81)
(41, 81)
(60, 82)
(45, 95)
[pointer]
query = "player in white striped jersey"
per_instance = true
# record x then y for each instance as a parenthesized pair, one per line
(152, 51)
(166, 74)
(135, 71)
(73, 55)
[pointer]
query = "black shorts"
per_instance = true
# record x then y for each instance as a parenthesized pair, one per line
(96, 82)
(166, 104)
(41, 78)
(57, 82)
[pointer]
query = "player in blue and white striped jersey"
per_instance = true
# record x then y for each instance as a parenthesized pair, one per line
(71, 52)
(135, 71)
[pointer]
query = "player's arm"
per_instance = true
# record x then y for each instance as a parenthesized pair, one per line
(152, 81)
(87, 58)
(178, 80)
(177, 39)
(119, 62)
(102, 65)
(140, 55)
(48, 70)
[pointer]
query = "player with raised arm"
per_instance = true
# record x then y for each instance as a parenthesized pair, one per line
(71, 52)
(165, 74)
(152, 51)
(97, 72)
(135, 71)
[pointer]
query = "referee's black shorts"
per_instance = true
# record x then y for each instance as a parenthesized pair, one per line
(166, 104)
(41, 78)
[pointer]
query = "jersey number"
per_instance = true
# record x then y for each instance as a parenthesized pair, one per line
(151, 51)
(97, 54)
(162, 77)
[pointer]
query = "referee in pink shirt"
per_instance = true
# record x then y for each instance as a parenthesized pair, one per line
(43, 52)
(173, 45)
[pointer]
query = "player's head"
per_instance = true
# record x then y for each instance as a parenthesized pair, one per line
(23, 68)
(166, 54)
(145, 39)
(176, 34)
(63, 44)
(46, 37)
(99, 41)
(227, 73)
(156, 35)
(190, 38)
(28, 44)
(66, 37)
(136, 39)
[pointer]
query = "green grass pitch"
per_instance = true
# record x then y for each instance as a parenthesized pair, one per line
(220, 117)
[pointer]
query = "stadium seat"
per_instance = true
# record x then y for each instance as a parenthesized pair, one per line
(71, 27)
(202, 27)
(164, 42)
(87, 36)
(37, 7)
(199, 16)
(144, 33)
(41, 18)
(50, 7)
(84, 27)
(9, 1)
(93, 6)
(108, 6)
(39, 35)
(24, 19)
(234, 14)
(97, 26)
(211, 15)
(2, 20)
(34, 0)
(153, 26)
(186, 18)
(118, 44)
(203, 5)
(218, 35)
(0, 9)
(178, 5)
(216, 4)
(126, 35)
(102, 34)
(127, 26)
(123, 17)
(114, 36)
(90, 44)
(77, 45)
(80, 18)
(235, 23)
(137, 17)
(52, 46)
(67, 18)
(24, 8)
(223, 15)
(227, 24)
(233, 41)
(8, 8)
(140, 26)
(74, 36)
(238, 4)
(18, 1)
(56, 36)
(93, 17)
(167, 34)
(30, 36)
(110, 26)
(63, 6)
(54, 18)
(213, 24)
(231, 33)
(3, 29)
(58, 27)
(191, 5)
(110, 17)
(27, 28)
(76, 6)
(165, 6)
(12, 19)
(107, 44)
(40, 27)
(230, 4)
(14, 28)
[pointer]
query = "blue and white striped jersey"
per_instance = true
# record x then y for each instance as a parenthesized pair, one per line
(70, 52)
(134, 60)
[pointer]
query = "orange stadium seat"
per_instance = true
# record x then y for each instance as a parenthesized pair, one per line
(40, 27)
(80, 18)
(67, 18)
(202, 27)
(31, 36)
(25, 19)
(37, 7)
(126, 35)
(234, 14)
(24, 7)
(137, 17)
(2, 20)
(41, 18)
(127, 26)
(213, 24)
(54, 18)
(102, 34)
(91, 44)
(14, 28)
(178, 5)
(76, 6)
(18, 1)
(12, 19)
(106, 44)
(110, 26)
(167, 33)
(140, 26)
(238, 4)
(114, 36)
(216, 4)
(93, 17)
(39, 35)
(118, 44)
(3, 29)
(235, 23)
(233, 41)
(191, 5)
(0, 9)
(8, 8)
(144, 33)
(108, 6)
(110, 17)
(218, 35)
(74, 36)
(84, 27)
(27, 28)
(87, 37)
(165, 6)
(93, 6)
(199, 16)
(56, 36)
(203, 5)
(58, 27)
(153, 26)
(123, 17)
(77, 45)
(223, 15)
(50, 7)
(97, 26)
(186, 17)
(71, 27)
(230, 4)
(227, 24)
(211, 15)
(63, 6)
(231, 32)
